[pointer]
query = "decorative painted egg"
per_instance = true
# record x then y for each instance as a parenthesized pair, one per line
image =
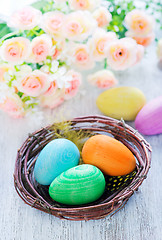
(78, 185)
(108, 154)
(149, 119)
(121, 102)
(56, 157)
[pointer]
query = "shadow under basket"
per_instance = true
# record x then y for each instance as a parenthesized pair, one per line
(37, 195)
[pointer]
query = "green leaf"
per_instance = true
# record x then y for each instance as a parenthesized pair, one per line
(130, 6)
(27, 98)
(4, 29)
(39, 5)
(20, 94)
(32, 105)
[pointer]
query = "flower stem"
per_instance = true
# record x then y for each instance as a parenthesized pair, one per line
(105, 63)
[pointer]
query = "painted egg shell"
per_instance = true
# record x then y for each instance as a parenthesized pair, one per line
(78, 185)
(108, 154)
(55, 158)
(121, 102)
(149, 119)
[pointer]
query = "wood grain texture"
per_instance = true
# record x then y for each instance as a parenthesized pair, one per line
(140, 219)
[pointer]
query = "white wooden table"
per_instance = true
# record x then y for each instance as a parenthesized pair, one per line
(140, 219)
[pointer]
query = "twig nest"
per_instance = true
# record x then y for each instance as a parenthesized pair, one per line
(37, 195)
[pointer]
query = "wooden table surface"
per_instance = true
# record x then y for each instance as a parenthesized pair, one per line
(140, 219)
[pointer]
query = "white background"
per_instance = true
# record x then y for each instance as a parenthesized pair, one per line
(7, 6)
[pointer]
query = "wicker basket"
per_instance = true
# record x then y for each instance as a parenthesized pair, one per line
(37, 196)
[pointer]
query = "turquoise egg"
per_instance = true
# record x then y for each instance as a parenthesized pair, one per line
(79, 185)
(56, 157)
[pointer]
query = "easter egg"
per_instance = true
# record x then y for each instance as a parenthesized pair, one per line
(56, 157)
(108, 154)
(79, 185)
(149, 119)
(121, 102)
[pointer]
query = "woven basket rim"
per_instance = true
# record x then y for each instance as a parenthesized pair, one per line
(122, 196)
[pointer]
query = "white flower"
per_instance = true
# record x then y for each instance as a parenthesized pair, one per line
(61, 5)
(23, 72)
(45, 69)
(55, 65)
(5, 71)
(59, 76)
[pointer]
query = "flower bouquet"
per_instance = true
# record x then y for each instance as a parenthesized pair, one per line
(48, 45)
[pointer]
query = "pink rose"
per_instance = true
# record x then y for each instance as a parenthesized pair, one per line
(53, 22)
(53, 100)
(59, 47)
(102, 79)
(79, 25)
(139, 23)
(25, 19)
(82, 57)
(102, 16)
(84, 4)
(98, 43)
(40, 48)
(122, 53)
(75, 82)
(140, 52)
(144, 41)
(34, 83)
(56, 53)
(52, 89)
(13, 105)
(15, 50)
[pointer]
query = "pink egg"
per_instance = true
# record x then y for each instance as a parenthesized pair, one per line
(149, 119)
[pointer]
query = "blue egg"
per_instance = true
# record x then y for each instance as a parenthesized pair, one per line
(56, 157)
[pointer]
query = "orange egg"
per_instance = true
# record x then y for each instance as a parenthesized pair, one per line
(109, 155)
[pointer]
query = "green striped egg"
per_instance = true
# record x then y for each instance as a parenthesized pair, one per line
(79, 185)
